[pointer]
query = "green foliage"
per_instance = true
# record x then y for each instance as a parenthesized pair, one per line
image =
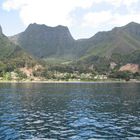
(20, 74)
(2, 67)
(125, 75)
(12, 56)
(99, 64)
(133, 57)
(64, 54)
(136, 75)
(48, 74)
(6, 76)
(67, 58)
(6, 47)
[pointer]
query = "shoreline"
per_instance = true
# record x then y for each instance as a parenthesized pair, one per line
(65, 82)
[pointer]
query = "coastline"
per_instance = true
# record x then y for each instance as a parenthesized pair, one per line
(65, 82)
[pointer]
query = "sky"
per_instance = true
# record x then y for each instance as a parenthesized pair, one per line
(84, 18)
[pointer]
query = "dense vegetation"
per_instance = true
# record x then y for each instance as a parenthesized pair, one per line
(13, 57)
(51, 53)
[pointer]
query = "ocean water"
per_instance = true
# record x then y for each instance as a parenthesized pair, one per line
(70, 111)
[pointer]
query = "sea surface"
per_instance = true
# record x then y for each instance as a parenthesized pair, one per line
(70, 111)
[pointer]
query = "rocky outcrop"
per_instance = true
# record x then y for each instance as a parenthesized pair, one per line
(131, 68)
(43, 41)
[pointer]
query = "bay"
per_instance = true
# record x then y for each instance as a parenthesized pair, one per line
(69, 111)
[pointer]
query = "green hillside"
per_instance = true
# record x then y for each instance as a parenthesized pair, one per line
(121, 40)
(57, 47)
(55, 43)
(12, 56)
(120, 45)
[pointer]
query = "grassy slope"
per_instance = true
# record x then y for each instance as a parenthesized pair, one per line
(11, 54)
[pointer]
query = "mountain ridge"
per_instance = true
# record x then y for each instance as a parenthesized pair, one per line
(40, 36)
(57, 42)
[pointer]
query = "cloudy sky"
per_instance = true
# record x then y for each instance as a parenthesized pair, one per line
(83, 17)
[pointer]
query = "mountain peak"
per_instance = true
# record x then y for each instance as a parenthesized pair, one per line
(51, 42)
(44, 29)
(43, 26)
(61, 27)
(33, 26)
(132, 24)
(132, 28)
(44, 41)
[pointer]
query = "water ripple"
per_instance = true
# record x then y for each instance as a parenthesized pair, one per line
(69, 112)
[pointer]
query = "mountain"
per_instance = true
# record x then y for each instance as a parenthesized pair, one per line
(122, 40)
(120, 45)
(11, 55)
(6, 46)
(43, 41)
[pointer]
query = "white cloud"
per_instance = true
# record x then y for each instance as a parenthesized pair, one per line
(112, 17)
(95, 19)
(14, 4)
(54, 12)
(120, 20)
(50, 12)
(59, 12)
(118, 3)
(107, 18)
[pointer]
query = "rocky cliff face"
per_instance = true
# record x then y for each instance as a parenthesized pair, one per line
(130, 67)
(43, 41)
